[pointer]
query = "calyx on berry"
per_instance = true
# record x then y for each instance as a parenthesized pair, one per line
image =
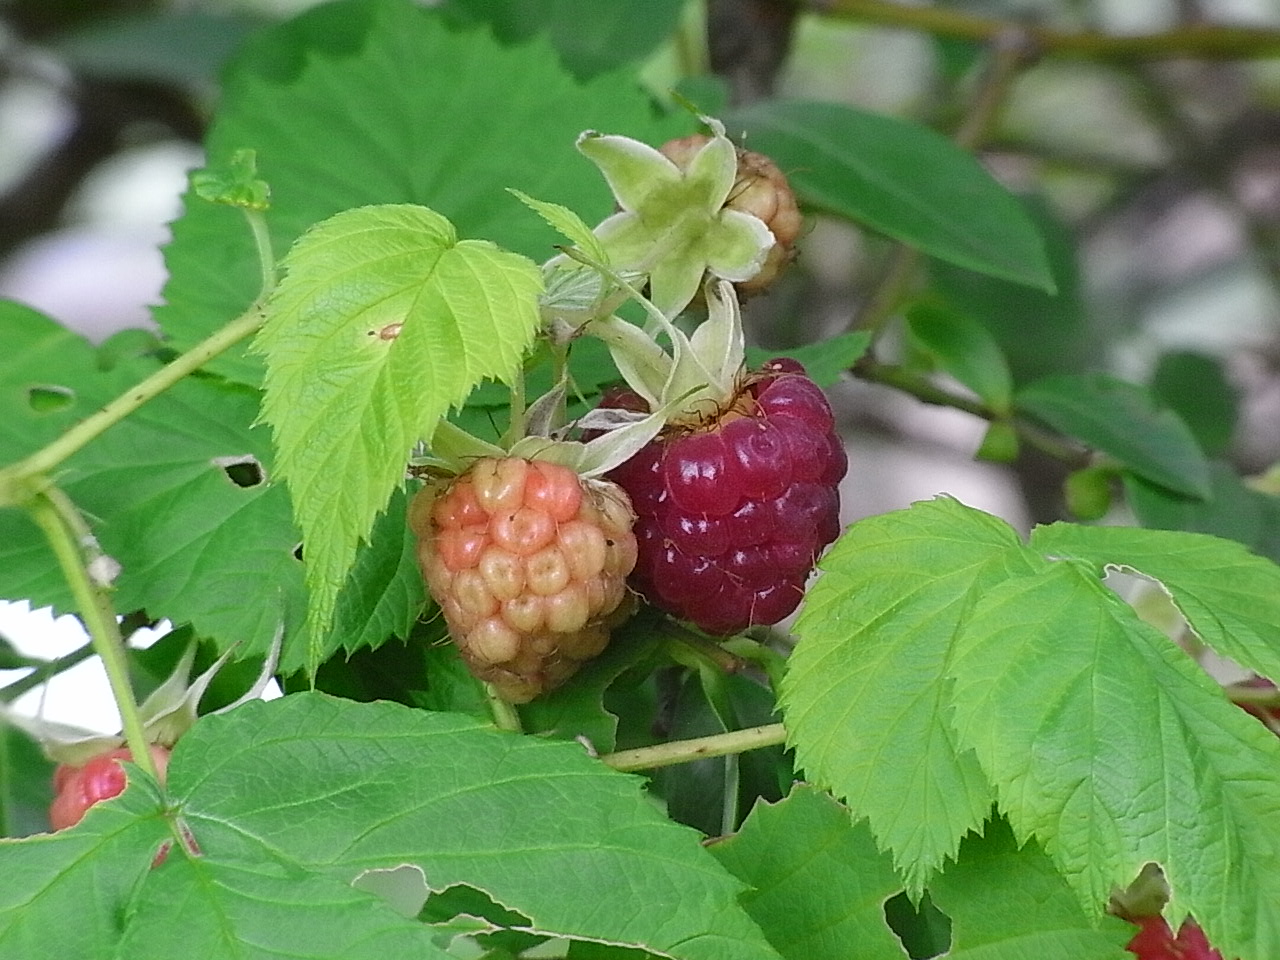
(170, 710)
(676, 221)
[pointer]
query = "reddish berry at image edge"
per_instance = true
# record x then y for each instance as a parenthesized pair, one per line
(77, 788)
(733, 510)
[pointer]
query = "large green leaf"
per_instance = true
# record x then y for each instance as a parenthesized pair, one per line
(901, 179)
(1229, 596)
(359, 103)
(384, 320)
(1123, 420)
(1113, 748)
(1007, 902)
(292, 800)
(868, 678)
(818, 883)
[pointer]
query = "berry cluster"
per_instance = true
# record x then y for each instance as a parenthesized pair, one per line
(528, 562)
(733, 512)
(77, 788)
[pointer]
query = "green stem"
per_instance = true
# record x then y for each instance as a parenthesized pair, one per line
(262, 244)
(58, 518)
(927, 392)
(45, 672)
(684, 751)
(88, 429)
(1200, 40)
(504, 714)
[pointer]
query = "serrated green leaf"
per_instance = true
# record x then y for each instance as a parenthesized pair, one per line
(408, 111)
(825, 362)
(1007, 902)
(1232, 510)
(384, 593)
(1123, 420)
(818, 882)
(963, 348)
(1229, 596)
(234, 183)
(87, 873)
(568, 223)
(1114, 749)
(383, 320)
(901, 179)
(323, 790)
(869, 674)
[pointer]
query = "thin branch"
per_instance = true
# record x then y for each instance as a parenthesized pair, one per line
(926, 391)
(58, 518)
(685, 751)
(1201, 41)
(45, 672)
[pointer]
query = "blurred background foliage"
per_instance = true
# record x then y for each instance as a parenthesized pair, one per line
(1143, 135)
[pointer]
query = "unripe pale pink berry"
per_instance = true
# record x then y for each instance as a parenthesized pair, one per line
(528, 562)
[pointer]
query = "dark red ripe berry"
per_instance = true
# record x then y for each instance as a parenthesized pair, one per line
(1155, 941)
(732, 515)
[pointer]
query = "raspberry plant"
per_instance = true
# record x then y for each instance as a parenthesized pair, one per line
(408, 468)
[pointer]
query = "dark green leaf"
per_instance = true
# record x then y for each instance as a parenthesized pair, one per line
(1194, 386)
(963, 348)
(1232, 510)
(818, 883)
(292, 800)
(613, 34)
(1124, 420)
(824, 362)
(1039, 334)
(26, 784)
(901, 179)
(1007, 902)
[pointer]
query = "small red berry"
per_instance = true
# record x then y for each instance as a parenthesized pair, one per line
(77, 788)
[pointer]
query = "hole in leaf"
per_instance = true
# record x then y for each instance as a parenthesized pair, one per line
(297, 553)
(49, 397)
(474, 913)
(403, 887)
(925, 931)
(243, 471)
